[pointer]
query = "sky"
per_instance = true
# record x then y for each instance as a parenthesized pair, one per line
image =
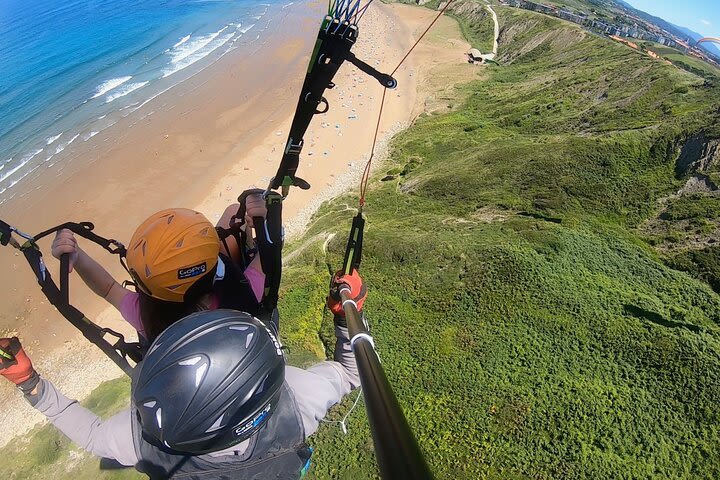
(702, 16)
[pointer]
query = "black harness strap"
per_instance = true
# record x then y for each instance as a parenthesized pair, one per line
(332, 48)
(385, 80)
(269, 241)
(120, 350)
(270, 245)
(5, 233)
(353, 250)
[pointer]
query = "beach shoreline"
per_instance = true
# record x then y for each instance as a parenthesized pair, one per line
(337, 145)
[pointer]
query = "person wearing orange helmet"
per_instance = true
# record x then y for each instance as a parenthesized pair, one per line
(178, 265)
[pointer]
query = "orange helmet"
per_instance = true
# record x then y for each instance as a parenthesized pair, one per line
(172, 250)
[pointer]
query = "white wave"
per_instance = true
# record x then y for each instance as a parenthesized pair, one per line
(247, 29)
(191, 52)
(181, 54)
(50, 140)
(153, 97)
(18, 167)
(108, 85)
(124, 91)
(182, 40)
(30, 156)
(102, 116)
(88, 136)
(16, 181)
(1, 167)
(126, 107)
(287, 5)
(62, 147)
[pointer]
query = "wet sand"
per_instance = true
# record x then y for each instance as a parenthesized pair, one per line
(219, 133)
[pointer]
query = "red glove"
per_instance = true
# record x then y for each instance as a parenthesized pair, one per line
(16, 366)
(358, 292)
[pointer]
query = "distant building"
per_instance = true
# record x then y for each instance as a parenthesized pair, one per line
(474, 55)
(567, 15)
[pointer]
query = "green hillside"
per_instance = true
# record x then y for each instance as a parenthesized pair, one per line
(529, 329)
(524, 313)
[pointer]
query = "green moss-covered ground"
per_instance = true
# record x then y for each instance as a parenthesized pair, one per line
(529, 330)
(47, 453)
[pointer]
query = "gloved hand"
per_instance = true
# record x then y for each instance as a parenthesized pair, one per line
(255, 206)
(358, 292)
(65, 243)
(16, 366)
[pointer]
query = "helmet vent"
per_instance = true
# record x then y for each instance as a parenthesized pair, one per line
(200, 373)
(248, 339)
(158, 417)
(217, 425)
(204, 231)
(180, 242)
(242, 329)
(261, 387)
(170, 219)
(150, 404)
(154, 347)
(190, 361)
(147, 272)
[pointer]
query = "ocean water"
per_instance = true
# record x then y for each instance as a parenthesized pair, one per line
(70, 70)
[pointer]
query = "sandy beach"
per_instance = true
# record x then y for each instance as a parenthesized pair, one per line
(216, 135)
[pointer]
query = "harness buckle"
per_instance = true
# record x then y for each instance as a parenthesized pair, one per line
(116, 247)
(294, 148)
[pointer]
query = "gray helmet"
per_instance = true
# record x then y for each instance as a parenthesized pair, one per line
(209, 381)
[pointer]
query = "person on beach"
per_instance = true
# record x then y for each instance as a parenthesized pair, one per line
(213, 399)
(178, 265)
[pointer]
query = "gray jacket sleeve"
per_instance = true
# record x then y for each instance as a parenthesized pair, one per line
(323, 385)
(111, 438)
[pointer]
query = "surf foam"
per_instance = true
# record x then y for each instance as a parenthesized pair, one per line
(50, 140)
(127, 89)
(109, 85)
(192, 51)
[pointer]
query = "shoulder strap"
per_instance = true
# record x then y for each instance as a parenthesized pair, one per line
(269, 240)
(120, 350)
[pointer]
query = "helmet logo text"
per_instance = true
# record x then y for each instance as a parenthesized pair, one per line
(193, 271)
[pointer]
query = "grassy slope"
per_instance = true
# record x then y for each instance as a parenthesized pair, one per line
(478, 30)
(552, 344)
(46, 453)
(527, 330)
(694, 65)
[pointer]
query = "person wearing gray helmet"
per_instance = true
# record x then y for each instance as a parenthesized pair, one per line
(212, 399)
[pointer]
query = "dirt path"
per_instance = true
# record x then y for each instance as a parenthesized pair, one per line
(496, 33)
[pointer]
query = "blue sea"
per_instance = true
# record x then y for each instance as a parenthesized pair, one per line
(71, 69)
